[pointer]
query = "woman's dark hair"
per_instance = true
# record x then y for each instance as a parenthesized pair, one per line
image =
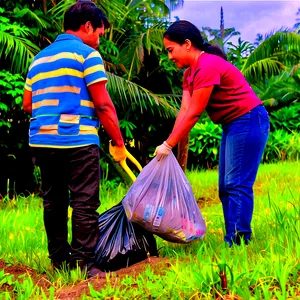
(83, 11)
(182, 30)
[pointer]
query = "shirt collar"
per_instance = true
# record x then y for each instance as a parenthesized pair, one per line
(68, 37)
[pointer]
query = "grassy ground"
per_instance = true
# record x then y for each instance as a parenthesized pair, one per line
(268, 268)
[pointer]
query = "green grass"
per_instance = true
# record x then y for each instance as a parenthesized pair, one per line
(268, 268)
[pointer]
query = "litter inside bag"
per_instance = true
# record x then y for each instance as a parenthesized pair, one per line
(122, 243)
(162, 201)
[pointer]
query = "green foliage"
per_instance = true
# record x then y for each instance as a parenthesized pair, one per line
(220, 36)
(237, 54)
(136, 99)
(16, 165)
(286, 118)
(272, 56)
(128, 126)
(205, 140)
(281, 146)
(23, 286)
(34, 18)
(172, 74)
(11, 92)
(281, 90)
(110, 53)
(16, 44)
(283, 142)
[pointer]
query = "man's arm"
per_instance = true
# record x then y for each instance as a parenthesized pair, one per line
(106, 112)
(27, 101)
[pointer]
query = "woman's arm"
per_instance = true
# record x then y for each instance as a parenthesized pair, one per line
(189, 113)
(185, 103)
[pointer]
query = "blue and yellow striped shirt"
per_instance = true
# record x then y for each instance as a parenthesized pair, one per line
(63, 113)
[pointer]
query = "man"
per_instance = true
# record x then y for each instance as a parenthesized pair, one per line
(65, 92)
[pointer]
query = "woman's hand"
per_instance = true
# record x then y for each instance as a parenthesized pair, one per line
(162, 151)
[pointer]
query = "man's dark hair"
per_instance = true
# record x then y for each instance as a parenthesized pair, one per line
(83, 11)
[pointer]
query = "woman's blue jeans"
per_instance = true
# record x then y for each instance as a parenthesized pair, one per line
(242, 146)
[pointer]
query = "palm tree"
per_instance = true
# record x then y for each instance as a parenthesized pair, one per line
(222, 35)
(237, 54)
(259, 39)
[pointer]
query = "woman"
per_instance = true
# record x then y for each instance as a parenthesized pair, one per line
(211, 83)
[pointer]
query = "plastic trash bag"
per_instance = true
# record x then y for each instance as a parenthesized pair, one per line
(122, 243)
(162, 201)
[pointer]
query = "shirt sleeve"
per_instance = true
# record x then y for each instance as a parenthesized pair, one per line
(28, 83)
(94, 69)
(205, 77)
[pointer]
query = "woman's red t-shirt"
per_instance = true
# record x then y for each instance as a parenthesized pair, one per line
(231, 97)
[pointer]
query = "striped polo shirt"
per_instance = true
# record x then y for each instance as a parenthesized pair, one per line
(63, 113)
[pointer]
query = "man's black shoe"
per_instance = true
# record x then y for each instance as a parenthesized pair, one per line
(91, 270)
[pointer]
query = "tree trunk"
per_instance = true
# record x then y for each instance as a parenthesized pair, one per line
(182, 154)
(44, 3)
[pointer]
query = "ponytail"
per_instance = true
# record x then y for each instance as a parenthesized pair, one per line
(215, 50)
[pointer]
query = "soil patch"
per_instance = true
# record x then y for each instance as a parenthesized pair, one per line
(158, 265)
(18, 270)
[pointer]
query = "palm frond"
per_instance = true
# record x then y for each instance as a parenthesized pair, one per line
(283, 47)
(36, 16)
(114, 12)
(262, 68)
(133, 54)
(128, 94)
(59, 10)
(20, 51)
(153, 39)
(280, 90)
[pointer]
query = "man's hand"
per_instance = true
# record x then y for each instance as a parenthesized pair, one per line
(117, 152)
(162, 151)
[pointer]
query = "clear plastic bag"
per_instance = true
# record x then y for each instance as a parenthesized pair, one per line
(122, 243)
(162, 201)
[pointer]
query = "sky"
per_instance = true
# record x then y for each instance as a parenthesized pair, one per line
(249, 17)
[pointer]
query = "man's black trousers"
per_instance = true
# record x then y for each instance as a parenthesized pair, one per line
(70, 177)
